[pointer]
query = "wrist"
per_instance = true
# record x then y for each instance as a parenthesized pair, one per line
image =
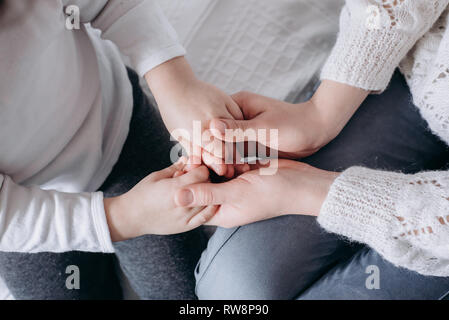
(119, 227)
(335, 104)
(321, 127)
(311, 191)
(322, 194)
(170, 79)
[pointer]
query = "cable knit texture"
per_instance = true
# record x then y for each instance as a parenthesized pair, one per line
(403, 217)
(375, 35)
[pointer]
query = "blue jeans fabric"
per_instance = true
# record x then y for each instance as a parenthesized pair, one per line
(291, 257)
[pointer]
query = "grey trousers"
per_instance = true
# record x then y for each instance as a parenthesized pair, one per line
(291, 257)
(158, 267)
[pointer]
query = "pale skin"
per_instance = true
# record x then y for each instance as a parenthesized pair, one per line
(183, 99)
(185, 197)
(149, 207)
(296, 188)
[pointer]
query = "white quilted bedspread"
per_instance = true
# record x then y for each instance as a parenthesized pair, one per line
(272, 47)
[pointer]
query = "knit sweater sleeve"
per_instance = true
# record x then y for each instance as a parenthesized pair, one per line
(403, 217)
(375, 35)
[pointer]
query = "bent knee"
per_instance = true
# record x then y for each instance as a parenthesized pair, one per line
(231, 270)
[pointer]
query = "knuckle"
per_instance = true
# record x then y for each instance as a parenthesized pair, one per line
(202, 218)
(242, 96)
(245, 94)
(206, 196)
(200, 174)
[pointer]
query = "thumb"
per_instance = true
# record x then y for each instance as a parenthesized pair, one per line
(231, 130)
(204, 194)
(251, 104)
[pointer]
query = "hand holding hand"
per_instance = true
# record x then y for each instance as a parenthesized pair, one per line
(149, 207)
(303, 128)
(183, 100)
(296, 188)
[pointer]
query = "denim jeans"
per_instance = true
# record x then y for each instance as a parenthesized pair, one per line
(291, 257)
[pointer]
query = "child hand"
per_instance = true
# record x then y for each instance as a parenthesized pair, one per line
(183, 100)
(149, 207)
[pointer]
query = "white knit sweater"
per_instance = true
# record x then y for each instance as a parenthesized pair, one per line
(403, 217)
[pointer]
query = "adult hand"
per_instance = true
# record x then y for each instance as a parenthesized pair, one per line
(302, 128)
(296, 188)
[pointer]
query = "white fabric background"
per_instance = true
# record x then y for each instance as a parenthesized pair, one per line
(270, 47)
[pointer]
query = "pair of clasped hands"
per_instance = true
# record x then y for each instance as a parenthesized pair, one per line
(181, 197)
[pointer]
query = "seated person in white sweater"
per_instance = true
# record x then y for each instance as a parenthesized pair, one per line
(66, 102)
(404, 217)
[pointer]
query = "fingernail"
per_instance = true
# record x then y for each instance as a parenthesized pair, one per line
(221, 126)
(185, 197)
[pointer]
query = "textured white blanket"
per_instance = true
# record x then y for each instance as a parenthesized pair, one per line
(272, 47)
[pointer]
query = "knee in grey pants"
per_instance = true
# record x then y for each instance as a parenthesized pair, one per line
(283, 257)
(261, 260)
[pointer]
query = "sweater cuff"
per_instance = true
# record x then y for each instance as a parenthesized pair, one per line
(100, 223)
(361, 206)
(365, 57)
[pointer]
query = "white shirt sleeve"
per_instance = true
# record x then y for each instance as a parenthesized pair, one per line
(35, 220)
(403, 217)
(138, 27)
